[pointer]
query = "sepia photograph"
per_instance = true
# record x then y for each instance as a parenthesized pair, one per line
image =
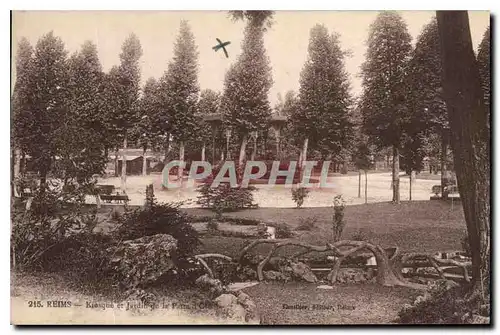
(250, 167)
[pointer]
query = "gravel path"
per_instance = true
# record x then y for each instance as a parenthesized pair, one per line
(379, 190)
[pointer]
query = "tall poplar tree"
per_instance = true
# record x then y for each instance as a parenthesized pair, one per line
(325, 101)
(123, 88)
(180, 89)
(384, 94)
(22, 106)
(245, 103)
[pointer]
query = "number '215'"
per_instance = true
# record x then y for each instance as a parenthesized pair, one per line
(35, 303)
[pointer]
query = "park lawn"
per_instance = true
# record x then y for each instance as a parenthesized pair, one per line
(417, 226)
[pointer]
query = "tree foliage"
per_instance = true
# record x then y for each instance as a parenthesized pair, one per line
(209, 103)
(145, 130)
(179, 87)
(384, 72)
(123, 87)
(263, 18)
(245, 103)
(41, 100)
(324, 95)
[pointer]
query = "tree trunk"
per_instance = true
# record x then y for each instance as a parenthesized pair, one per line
(395, 175)
(116, 161)
(123, 185)
(228, 153)
(22, 163)
(243, 149)
(167, 149)
(359, 183)
(467, 114)
(304, 151)
(278, 149)
(411, 181)
(366, 187)
(144, 163)
(16, 168)
(180, 171)
(254, 152)
(213, 146)
(203, 148)
(106, 154)
(98, 201)
(444, 194)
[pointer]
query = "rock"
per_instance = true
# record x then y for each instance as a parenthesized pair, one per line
(478, 319)
(212, 285)
(353, 275)
(243, 298)
(225, 300)
(422, 298)
(370, 273)
(252, 315)
(234, 287)
(271, 233)
(484, 310)
(441, 285)
(240, 309)
(407, 307)
(275, 275)
(325, 287)
(302, 271)
(143, 260)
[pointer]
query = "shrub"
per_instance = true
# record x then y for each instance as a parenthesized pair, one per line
(282, 230)
(445, 305)
(160, 218)
(54, 215)
(115, 216)
(84, 256)
(225, 198)
(299, 195)
(212, 225)
(307, 224)
(262, 231)
(338, 221)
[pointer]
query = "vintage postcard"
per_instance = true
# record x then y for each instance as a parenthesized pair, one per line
(250, 167)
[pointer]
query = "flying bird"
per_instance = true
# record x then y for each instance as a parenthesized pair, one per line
(222, 46)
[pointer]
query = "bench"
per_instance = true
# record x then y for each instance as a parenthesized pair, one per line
(119, 198)
(450, 190)
(436, 189)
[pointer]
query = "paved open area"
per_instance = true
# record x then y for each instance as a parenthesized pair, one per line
(379, 190)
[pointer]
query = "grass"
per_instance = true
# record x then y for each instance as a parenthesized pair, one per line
(424, 226)
(353, 304)
(418, 226)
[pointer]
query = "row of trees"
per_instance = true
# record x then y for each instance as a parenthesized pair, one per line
(81, 112)
(402, 104)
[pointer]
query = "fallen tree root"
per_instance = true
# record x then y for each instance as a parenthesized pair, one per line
(385, 274)
(201, 259)
(433, 261)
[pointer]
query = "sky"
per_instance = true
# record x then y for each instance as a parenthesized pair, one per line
(286, 41)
